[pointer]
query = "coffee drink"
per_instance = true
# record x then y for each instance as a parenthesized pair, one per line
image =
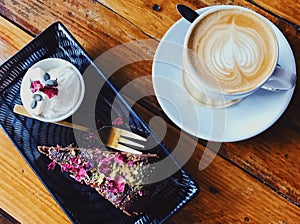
(232, 50)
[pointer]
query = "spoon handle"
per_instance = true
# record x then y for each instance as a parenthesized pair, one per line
(187, 13)
(19, 109)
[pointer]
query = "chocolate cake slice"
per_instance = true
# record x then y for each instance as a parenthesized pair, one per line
(119, 177)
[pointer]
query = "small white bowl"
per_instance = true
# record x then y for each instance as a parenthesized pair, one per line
(70, 87)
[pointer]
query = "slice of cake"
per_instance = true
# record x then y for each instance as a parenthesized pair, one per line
(119, 177)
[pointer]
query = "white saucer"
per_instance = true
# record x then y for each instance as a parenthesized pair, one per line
(246, 119)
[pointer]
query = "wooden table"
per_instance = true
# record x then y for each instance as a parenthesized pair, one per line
(251, 181)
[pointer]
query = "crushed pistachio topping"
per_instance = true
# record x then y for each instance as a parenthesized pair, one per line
(105, 171)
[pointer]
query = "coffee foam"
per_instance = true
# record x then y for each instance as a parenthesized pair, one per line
(233, 50)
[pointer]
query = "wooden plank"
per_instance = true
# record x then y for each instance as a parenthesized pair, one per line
(6, 218)
(157, 11)
(154, 12)
(273, 158)
(22, 194)
(263, 150)
(92, 24)
(10, 41)
(286, 9)
(228, 195)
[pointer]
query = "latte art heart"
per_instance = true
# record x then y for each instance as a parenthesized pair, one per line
(232, 50)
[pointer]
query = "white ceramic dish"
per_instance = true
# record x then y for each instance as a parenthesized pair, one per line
(246, 119)
(47, 65)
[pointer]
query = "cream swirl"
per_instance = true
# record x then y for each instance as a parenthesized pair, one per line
(232, 52)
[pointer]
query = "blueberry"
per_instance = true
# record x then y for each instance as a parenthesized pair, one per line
(46, 76)
(37, 97)
(33, 104)
(51, 82)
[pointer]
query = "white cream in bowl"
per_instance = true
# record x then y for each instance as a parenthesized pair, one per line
(52, 90)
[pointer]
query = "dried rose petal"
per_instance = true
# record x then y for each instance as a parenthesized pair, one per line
(80, 174)
(116, 186)
(66, 167)
(140, 193)
(120, 158)
(50, 91)
(118, 121)
(87, 166)
(120, 184)
(51, 165)
(75, 160)
(36, 86)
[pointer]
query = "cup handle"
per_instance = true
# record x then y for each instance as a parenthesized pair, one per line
(281, 79)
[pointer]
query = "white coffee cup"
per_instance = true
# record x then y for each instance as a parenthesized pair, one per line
(229, 53)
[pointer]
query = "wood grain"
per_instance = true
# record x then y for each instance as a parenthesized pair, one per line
(22, 194)
(286, 9)
(167, 13)
(91, 23)
(6, 218)
(10, 41)
(228, 195)
(249, 182)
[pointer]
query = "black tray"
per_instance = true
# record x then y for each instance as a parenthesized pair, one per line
(81, 203)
